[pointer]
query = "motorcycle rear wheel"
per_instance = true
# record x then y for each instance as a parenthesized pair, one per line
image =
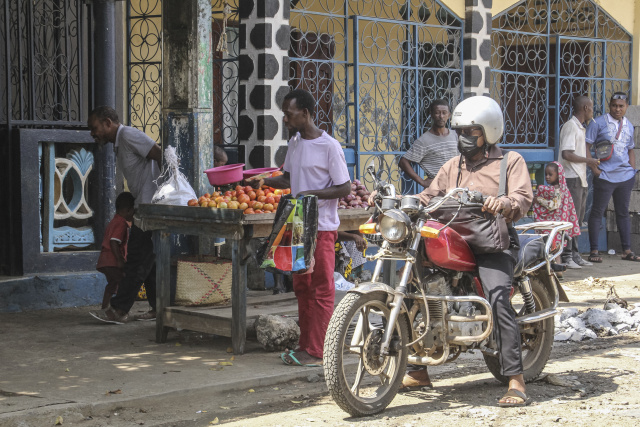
(536, 347)
(361, 381)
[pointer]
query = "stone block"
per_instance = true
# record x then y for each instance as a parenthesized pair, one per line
(286, 64)
(261, 36)
(613, 241)
(245, 128)
(487, 3)
(634, 201)
(277, 332)
(260, 97)
(487, 80)
(470, 48)
(268, 66)
(633, 115)
(245, 7)
(474, 22)
(472, 75)
(245, 67)
(280, 94)
(281, 154)
(267, 128)
(286, 10)
(242, 37)
(283, 37)
(268, 8)
(260, 156)
(485, 50)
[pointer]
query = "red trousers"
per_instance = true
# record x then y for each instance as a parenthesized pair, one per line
(316, 295)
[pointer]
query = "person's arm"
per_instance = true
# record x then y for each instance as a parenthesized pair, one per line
(632, 158)
(405, 165)
(155, 154)
(590, 137)
(333, 192)
(115, 250)
(344, 236)
(571, 156)
(516, 203)
(282, 181)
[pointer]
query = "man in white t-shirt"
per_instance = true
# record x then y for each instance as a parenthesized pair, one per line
(314, 165)
(139, 159)
(574, 160)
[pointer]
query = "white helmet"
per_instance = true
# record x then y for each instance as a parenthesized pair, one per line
(480, 111)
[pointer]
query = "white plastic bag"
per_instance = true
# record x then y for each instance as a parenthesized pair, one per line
(175, 190)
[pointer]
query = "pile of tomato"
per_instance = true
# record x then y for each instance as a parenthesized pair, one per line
(247, 199)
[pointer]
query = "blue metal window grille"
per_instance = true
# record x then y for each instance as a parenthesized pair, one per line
(144, 66)
(545, 52)
(374, 67)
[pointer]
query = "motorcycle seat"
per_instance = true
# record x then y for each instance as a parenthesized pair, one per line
(531, 252)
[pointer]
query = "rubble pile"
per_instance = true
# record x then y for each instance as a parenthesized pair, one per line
(575, 325)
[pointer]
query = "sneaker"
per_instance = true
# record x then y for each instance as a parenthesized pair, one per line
(110, 316)
(582, 262)
(148, 316)
(572, 264)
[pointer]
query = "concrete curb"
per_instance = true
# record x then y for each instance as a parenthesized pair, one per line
(111, 405)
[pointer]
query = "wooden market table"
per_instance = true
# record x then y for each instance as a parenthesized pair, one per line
(232, 225)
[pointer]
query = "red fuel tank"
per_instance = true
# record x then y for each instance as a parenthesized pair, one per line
(449, 250)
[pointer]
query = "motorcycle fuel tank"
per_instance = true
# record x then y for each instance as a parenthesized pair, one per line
(449, 250)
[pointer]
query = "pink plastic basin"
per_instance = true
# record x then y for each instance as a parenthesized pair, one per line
(223, 175)
(254, 172)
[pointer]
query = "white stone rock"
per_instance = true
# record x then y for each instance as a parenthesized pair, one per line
(568, 313)
(619, 315)
(576, 323)
(564, 335)
(589, 334)
(622, 327)
(276, 332)
(596, 318)
(577, 335)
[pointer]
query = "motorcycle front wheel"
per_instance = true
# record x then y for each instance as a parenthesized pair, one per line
(536, 339)
(360, 380)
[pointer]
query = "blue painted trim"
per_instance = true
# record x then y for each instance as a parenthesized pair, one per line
(544, 155)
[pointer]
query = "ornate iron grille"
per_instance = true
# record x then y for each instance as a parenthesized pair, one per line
(374, 67)
(144, 66)
(224, 23)
(545, 52)
(45, 71)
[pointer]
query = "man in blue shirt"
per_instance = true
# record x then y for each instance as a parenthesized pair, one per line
(614, 177)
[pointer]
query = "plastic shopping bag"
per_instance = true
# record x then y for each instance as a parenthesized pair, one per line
(290, 247)
(175, 190)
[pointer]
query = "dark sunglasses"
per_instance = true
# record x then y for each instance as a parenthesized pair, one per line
(619, 96)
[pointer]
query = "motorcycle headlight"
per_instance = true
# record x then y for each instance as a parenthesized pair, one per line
(395, 225)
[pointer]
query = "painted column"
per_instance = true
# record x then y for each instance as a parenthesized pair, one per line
(104, 83)
(477, 47)
(264, 74)
(186, 86)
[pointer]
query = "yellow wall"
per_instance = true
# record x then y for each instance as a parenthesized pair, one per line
(456, 6)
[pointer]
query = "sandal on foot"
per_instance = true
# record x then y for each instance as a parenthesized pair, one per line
(631, 257)
(290, 359)
(146, 317)
(110, 316)
(520, 397)
(594, 257)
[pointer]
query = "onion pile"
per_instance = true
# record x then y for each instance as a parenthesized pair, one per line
(358, 197)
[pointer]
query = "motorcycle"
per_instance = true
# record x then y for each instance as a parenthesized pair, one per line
(438, 309)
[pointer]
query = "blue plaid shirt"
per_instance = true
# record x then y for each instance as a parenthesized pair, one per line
(617, 168)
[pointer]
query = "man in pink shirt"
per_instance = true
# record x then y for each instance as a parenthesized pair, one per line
(314, 165)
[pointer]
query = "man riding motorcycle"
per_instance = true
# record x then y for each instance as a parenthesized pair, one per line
(479, 123)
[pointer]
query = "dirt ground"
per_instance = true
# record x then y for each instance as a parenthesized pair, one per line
(601, 377)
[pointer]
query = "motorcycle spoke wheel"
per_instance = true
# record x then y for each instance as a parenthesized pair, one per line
(359, 378)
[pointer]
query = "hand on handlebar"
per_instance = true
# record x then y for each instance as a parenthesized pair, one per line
(372, 197)
(494, 206)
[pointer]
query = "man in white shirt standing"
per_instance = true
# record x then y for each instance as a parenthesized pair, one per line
(139, 158)
(573, 157)
(314, 165)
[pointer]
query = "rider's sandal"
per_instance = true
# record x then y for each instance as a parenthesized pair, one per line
(594, 257)
(520, 397)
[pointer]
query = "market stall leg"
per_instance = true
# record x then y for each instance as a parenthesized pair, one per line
(163, 280)
(239, 257)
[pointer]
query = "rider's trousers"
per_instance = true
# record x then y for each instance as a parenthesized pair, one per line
(496, 274)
